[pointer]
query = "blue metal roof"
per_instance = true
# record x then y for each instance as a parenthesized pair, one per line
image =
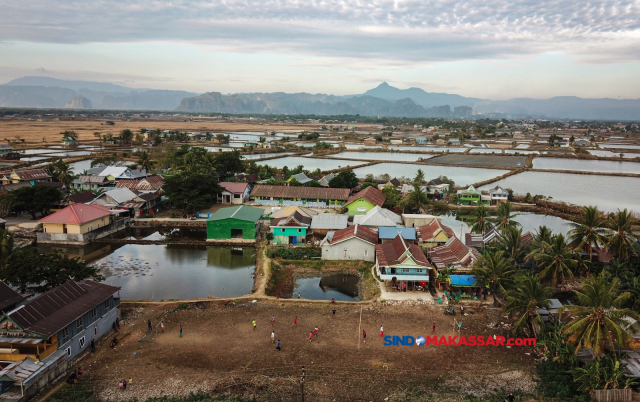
(390, 232)
(462, 280)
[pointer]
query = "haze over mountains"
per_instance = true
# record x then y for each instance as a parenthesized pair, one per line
(384, 100)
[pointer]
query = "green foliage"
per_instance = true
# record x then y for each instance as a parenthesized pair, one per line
(308, 136)
(27, 269)
(344, 179)
(606, 372)
(36, 198)
(228, 164)
(314, 183)
(393, 197)
(107, 160)
(145, 162)
(321, 145)
(126, 135)
(367, 184)
(61, 172)
(296, 253)
(191, 191)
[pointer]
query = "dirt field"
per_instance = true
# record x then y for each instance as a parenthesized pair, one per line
(221, 352)
(33, 132)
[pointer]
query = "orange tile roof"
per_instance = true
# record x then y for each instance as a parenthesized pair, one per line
(370, 194)
(395, 252)
(431, 230)
(77, 214)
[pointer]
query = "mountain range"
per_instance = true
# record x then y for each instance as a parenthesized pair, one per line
(383, 100)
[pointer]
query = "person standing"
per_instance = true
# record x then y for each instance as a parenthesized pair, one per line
(333, 314)
(315, 331)
(273, 336)
(310, 336)
(273, 320)
(254, 324)
(295, 321)
(124, 385)
(278, 346)
(511, 398)
(298, 295)
(381, 332)
(162, 325)
(433, 331)
(93, 346)
(364, 336)
(149, 326)
(180, 330)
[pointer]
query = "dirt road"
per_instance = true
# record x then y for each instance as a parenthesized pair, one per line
(221, 352)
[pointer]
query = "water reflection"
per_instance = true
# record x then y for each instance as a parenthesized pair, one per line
(342, 287)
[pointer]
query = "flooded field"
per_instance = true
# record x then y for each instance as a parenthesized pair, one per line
(482, 160)
(262, 156)
(427, 149)
(610, 154)
(620, 146)
(520, 152)
(383, 156)
(357, 146)
(310, 163)
(586, 165)
(156, 272)
(462, 176)
(606, 192)
(486, 151)
(342, 287)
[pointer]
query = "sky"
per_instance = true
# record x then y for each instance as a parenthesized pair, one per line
(493, 49)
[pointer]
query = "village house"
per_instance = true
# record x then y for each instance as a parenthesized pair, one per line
(148, 184)
(233, 193)
(454, 141)
(31, 176)
(70, 142)
(437, 187)
(64, 320)
(582, 142)
(498, 195)
(78, 224)
(421, 140)
(324, 181)
(283, 212)
(9, 298)
(393, 182)
(441, 141)
(364, 200)
(403, 264)
(386, 234)
(434, 234)
(417, 220)
(291, 229)
(453, 254)
(5, 149)
(82, 197)
(395, 141)
(247, 178)
(309, 196)
(471, 196)
(352, 243)
(113, 173)
(377, 217)
(300, 178)
(480, 240)
(370, 141)
(322, 224)
(125, 199)
(241, 222)
(93, 183)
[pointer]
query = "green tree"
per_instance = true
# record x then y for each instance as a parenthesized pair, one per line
(344, 179)
(496, 270)
(145, 162)
(7, 247)
(191, 191)
(36, 198)
(598, 316)
(107, 160)
(126, 136)
(556, 262)
(606, 372)
(511, 243)
(29, 270)
(504, 216)
(393, 197)
(314, 183)
(419, 177)
(228, 164)
(588, 232)
(61, 172)
(480, 220)
(622, 241)
(524, 302)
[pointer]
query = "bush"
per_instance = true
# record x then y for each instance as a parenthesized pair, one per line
(298, 253)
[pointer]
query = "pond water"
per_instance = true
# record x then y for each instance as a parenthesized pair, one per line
(586, 165)
(38, 151)
(621, 146)
(70, 153)
(156, 272)
(606, 192)
(313, 144)
(262, 156)
(310, 163)
(462, 176)
(357, 146)
(520, 152)
(430, 149)
(383, 156)
(219, 149)
(34, 158)
(461, 224)
(342, 287)
(486, 151)
(522, 146)
(610, 154)
(253, 137)
(162, 234)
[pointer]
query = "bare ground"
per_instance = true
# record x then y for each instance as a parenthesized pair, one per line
(220, 352)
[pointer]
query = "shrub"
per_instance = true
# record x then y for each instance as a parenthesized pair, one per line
(298, 253)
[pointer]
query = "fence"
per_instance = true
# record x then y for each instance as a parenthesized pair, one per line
(613, 395)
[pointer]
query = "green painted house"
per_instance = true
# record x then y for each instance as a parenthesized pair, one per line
(290, 229)
(239, 222)
(364, 201)
(471, 196)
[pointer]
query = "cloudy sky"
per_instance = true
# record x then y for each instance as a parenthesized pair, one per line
(494, 49)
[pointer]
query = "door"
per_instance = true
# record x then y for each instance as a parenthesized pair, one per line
(295, 239)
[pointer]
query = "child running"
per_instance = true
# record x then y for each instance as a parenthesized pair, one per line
(273, 336)
(254, 324)
(295, 321)
(381, 332)
(364, 336)
(310, 336)
(273, 320)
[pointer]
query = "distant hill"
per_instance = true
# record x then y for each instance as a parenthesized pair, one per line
(421, 97)
(54, 93)
(79, 102)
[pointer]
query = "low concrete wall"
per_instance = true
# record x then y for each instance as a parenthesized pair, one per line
(80, 239)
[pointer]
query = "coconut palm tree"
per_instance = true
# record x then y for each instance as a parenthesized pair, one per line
(496, 270)
(512, 243)
(589, 232)
(622, 241)
(540, 241)
(599, 318)
(62, 172)
(556, 262)
(504, 216)
(7, 247)
(419, 177)
(525, 300)
(480, 218)
(145, 162)
(415, 200)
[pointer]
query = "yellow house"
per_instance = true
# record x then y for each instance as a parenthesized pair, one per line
(434, 234)
(75, 223)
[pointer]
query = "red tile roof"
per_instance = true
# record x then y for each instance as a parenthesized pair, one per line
(307, 193)
(234, 188)
(453, 253)
(77, 214)
(430, 231)
(370, 194)
(399, 250)
(296, 220)
(361, 232)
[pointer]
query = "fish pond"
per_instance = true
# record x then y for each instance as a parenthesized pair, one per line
(343, 287)
(462, 176)
(586, 165)
(382, 156)
(310, 163)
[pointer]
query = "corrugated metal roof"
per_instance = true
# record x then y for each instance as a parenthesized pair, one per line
(378, 216)
(234, 188)
(241, 212)
(20, 371)
(307, 193)
(77, 214)
(329, 221)
(33, 174)
(8, 296)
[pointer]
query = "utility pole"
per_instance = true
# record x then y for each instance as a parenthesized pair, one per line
(302, 384)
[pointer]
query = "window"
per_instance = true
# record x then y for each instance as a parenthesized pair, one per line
(299, 230)
(405, 270)
(236, 196)
(79, 324)
(419, 271)
(81, 342)
(68, 350)
(106, 305)
(95, 331)
(94, 313)
(65, 335)
(366, 253)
